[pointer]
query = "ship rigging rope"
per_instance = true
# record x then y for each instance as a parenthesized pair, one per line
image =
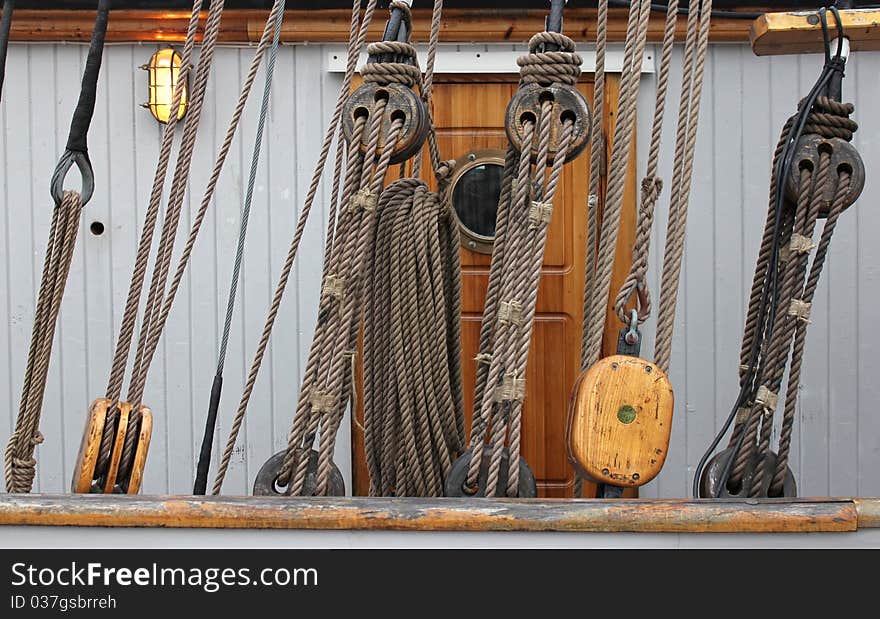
(523, 218)
(20, 463)
(358, 204)
(357, 37)
(201, 481)
(783, 281)
(161, 295)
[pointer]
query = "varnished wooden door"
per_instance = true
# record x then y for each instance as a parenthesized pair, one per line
(469, 116)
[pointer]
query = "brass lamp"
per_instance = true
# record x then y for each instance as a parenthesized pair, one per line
(164, 71)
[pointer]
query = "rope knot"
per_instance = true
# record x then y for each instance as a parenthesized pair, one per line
(800, 310)
(800, 244)
(831, 119)
(540, 213)
(37, 438)
(484, 357)
(322, 402)
(334, 287)
(510, 312)
(365, 199)
(404, 71)
(766, 399)
(651, 188)
(512, 389)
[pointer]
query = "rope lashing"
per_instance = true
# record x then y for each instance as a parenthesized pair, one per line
(20, 464)
(544, 132)
(816, 174)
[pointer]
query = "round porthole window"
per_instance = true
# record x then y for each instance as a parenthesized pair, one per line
(475, 188)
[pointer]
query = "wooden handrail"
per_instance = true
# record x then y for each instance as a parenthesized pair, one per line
(332, 25)
(361, 513)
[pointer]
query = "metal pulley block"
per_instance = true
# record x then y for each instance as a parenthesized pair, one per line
(568, 104)
(86, 478)
(844, 158)
(713, 474)
(402, 103)
(266, 482)
(456, 481)
(619, 421)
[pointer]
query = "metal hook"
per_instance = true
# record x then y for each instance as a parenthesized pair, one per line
(68, 159)
(632, 335)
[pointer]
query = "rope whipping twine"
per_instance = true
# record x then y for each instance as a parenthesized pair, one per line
(824, 116)
(524, 214)
(20, 463)
(159, 301)
(357, 37)
(201, 481)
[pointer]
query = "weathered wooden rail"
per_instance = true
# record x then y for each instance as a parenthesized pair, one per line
(377, 514)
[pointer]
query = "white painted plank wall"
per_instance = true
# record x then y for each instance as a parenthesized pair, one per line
(746, 101)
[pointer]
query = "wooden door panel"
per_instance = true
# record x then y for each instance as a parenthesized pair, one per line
(469, 115)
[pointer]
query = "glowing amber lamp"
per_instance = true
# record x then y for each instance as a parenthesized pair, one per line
(164, 71)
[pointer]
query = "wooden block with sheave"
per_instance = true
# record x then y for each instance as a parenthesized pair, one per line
(801, 32)
(620, 416)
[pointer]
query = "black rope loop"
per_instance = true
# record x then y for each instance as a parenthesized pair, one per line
(67, 161)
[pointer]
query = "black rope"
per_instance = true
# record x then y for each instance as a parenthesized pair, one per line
(5, 24)
(770, 290)
(77, 151)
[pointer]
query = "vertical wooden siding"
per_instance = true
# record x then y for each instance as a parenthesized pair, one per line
(837, 442)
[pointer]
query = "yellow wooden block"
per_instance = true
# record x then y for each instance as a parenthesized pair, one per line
(801, 32)
(620, 416)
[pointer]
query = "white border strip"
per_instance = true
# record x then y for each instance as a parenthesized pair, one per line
(491, 59)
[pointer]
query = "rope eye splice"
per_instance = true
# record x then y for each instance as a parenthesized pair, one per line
(817, 174)
(548, 123)
(20, 464)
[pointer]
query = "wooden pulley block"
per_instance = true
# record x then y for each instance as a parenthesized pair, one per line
(85, 476)
(266, 482)
(844, 157)
(568, 104)
(620, 416)
(456, 481)
(713, 474)
(403, 103)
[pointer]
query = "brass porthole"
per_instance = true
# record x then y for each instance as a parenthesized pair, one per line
(474, 192)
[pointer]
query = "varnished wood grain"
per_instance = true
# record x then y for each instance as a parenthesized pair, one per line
(139, 463)
(327, 513)
(332, 25)
(800, 33)
(620, 419)
(87, 458)
(124, 411)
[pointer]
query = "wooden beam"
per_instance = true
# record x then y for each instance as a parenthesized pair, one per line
(801, 32)
(578, 515)
(332, 25)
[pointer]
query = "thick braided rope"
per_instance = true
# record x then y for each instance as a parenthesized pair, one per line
(791, 391)
(270, 31)
(129, 317)
(629, 91)
(20, 464)
(785, 325)
(651, 185)
(597, 158)
(689, 114)
(358, 34)
(411, 276)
